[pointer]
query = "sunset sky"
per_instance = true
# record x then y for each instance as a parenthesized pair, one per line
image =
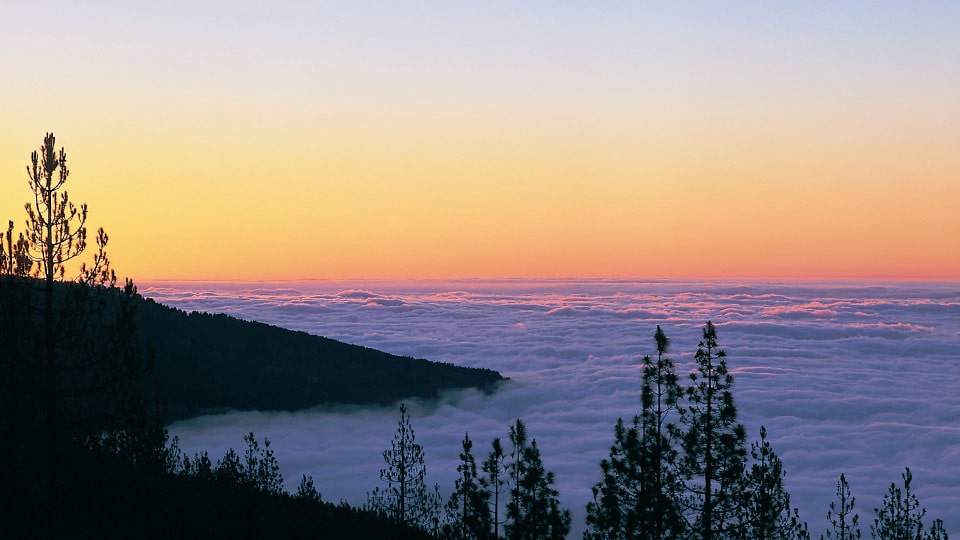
(294, 140)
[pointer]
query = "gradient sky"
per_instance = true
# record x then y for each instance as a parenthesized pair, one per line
(241, 140)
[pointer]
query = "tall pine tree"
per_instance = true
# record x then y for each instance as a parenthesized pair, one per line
(405, 498)
(71, 347)
(767, 513)
(844, 525)
(714, 452)
(534, 511)
(659, 396)
(468, 505)
(637, 496)
(495, 481)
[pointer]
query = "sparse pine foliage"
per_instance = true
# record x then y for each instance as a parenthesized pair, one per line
(14, 254)
(659, 395)
(405, 497)
(714, 452)
(256, 470)
(638, 495)
(201, 467)
(468, 505)
(495, 482)
(230, 469)
(534, 511)
(517, 467)
(844, 524)
(261, 470)
(937, 532)
(306, 490)
(767, 513)
(900, 517)
(56, 227)
(613, 512)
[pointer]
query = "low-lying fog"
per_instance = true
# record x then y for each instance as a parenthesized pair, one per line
(855, 378)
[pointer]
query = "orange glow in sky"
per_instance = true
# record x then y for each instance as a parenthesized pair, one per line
(230, 141)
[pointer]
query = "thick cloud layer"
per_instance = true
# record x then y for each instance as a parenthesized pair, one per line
(847, 377)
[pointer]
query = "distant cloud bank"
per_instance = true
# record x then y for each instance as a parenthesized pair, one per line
(859, 378)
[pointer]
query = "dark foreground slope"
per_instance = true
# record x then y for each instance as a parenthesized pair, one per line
(99, 497)
(210, 363)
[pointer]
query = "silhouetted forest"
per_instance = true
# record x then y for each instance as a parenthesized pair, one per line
(92, 495)
(210, 363)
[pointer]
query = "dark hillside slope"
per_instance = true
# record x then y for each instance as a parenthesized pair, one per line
(98, 497)
(210, 363)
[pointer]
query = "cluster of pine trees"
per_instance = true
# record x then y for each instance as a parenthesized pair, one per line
(680, 469)
(680, 466)
(510, 495)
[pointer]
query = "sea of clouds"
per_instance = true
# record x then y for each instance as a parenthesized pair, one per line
(854, 378)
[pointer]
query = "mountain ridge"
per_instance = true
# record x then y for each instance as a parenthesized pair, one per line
(210, 363)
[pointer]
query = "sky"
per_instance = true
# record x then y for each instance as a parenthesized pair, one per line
(852, 378)
(393, 140)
